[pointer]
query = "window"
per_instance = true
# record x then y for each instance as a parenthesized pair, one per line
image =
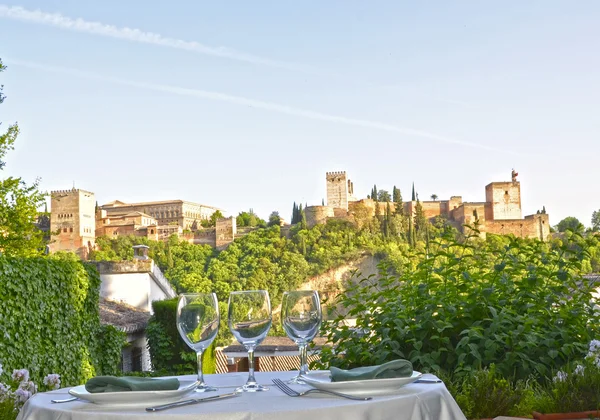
(505, 192)
(71, 230)
(65, 230)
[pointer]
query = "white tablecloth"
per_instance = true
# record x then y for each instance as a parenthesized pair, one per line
(418, 401)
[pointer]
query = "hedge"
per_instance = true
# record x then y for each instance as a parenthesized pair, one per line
(49, 320)
(169, 353)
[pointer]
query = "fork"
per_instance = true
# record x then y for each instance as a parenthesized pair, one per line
(292, 393)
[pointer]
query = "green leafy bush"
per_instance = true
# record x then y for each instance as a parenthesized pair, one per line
(574, 388)
(463, 305)
(49, 320)
(168, 352)
(485, 394)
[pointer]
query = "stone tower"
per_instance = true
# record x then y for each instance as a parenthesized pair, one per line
(73, 221)
(503, 200)
(338, 190)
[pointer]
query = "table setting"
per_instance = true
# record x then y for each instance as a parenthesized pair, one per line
(392, 390)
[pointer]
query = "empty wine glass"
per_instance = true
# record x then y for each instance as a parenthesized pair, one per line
(249, 322)
(198, 323)
(301, 318)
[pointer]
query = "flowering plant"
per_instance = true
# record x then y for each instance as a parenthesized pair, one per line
(576, 388)
(15, 392)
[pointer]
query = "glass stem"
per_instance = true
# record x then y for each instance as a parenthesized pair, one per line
(200, 374)
(251, 366)
(303, 359)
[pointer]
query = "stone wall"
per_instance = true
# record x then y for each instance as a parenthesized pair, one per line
(225, 231)
(316, 215)
(533, 226)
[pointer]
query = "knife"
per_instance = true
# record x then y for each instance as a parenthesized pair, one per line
(192, 401)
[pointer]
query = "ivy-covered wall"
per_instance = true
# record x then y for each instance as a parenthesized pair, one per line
(49, 321)
(169, 353)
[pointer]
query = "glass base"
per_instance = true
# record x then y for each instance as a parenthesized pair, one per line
(252, 387)
(296, 380)
(205, 388)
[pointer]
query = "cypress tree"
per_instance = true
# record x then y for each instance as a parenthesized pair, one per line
(397, 198)
(302, 218)
(294, 214)
(374, 194)
(413, 192)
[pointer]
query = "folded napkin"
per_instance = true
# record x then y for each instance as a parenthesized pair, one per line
(129, 383)
(395, 369)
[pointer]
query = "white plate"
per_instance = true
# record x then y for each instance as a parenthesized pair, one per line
(322, 380)
(133, 397)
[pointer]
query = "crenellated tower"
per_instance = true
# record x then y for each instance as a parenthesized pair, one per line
(338, 190)
(73, 221)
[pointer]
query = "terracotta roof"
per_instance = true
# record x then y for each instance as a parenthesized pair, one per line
(122, 316)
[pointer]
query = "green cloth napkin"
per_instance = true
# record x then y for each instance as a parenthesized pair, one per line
(395, 369)
(129, 383)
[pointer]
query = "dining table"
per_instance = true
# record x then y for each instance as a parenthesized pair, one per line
(414, 401)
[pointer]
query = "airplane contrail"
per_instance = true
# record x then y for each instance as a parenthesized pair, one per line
(60, 21)
(269, 106)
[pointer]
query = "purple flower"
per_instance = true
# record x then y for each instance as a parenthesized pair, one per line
(20, 375)
(29, 386)
(579, 370)
(1, 370)
(52, 381)
(22, 395)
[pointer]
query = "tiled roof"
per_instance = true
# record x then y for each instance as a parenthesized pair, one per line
(126, 318)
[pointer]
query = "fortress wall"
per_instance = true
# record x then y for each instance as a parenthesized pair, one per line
(316, 215)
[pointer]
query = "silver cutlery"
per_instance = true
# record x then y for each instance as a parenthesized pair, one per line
(191, 401)
(64, 401)
(428, 381)
(292, 393)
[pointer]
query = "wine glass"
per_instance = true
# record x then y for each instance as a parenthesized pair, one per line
(249, 322)
(198, 323)
(301, 318)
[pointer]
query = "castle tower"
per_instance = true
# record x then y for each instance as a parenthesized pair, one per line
(73, 221)
(503, 200)
(338, 187)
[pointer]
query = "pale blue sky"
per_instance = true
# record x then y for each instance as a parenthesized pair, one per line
(247, 104)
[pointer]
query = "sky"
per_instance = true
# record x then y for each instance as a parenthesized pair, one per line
(245, 105)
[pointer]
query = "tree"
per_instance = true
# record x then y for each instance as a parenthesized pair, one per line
(294, 214)
(19, 204)
(374, 194)
(397, 199)
(383, 196)
(434, 197)
(571, 223)
(413, 192)
(275, 219)
(596, 221)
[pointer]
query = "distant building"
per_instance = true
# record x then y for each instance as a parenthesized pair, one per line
(500, 213)
(72, 221)
(184, 214)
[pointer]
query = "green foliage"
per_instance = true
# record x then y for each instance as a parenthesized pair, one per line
(274, 219)
(49, 320)
(570, 223)
(596, 221)
(19, 205)
(168, 352)
(465, 305)
(575, 388)
(383, 196)
(249, 219)
(486, 394)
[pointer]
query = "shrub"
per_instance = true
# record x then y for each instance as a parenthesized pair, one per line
(514, 302)
(575, 388)
(485, 394)
(169, 353)
(49, 320)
